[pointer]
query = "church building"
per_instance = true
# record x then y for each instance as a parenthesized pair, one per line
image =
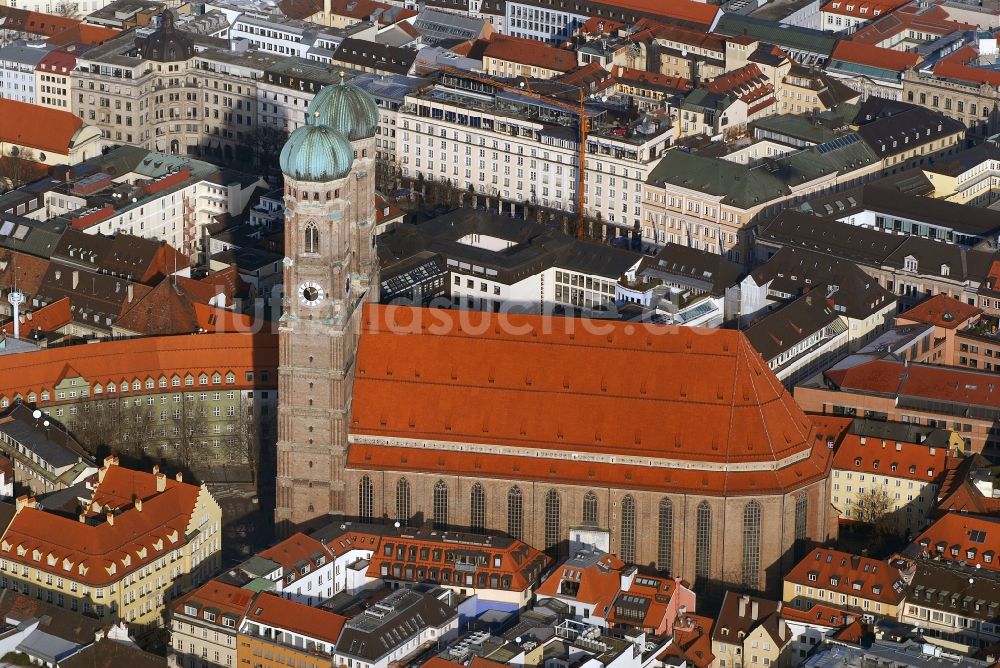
(678, 444)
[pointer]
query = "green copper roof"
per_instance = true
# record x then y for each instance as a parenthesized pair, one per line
(347, 109)
(316, 153)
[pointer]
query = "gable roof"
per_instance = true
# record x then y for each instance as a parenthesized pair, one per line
(530, 52)
(282, 613)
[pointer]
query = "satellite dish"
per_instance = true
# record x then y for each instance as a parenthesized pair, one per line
(36, 414)
(45, 424)
(518, 640)
(396, 524)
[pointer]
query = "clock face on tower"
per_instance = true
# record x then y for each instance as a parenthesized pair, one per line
(310, 294)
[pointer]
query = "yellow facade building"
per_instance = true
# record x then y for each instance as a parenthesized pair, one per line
(142, 539)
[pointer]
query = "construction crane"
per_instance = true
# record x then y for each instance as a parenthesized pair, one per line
(524, 88)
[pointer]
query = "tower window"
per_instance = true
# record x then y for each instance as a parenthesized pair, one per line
(312, 238)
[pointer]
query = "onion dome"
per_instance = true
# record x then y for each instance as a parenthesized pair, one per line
(347, 109)
(316, 153)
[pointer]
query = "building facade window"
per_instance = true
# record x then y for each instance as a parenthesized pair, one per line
(703, 542)
(477, 507)
(440, 505)
(665, 544)
(366, 498)
(628, 530)
(515, 513)
(751, 545)
(590, 509)
(552, 519)
(403, 501)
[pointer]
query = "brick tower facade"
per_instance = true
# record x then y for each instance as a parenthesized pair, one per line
(330, 266)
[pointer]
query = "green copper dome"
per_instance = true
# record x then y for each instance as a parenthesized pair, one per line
(347, 109)
(316, 153)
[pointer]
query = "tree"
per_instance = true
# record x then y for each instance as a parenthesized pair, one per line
(872, 507)
(18, 168)
(70, 10)
(244, 443)
(267, 142)
(189, 430)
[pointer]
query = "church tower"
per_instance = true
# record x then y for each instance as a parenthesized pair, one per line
(330, 271)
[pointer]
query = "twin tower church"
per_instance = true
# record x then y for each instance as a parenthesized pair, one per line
(536, 429)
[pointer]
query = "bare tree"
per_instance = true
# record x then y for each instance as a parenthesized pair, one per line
(18, 168)
(872, 507)
(190, 427)
(267, 142)
(67, 8)
(244, 445)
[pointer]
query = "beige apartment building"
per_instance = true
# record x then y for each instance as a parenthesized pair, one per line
(448, 133)
(712, 203)
(156, 92)
(141, 540)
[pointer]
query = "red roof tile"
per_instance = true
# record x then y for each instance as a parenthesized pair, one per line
(48, 318)
(141, 358)
(920, 380)
(874, 56)
(693, 394)
(41, 128)
(529, 52)
(96, 550)
(958, 536)
(862, 9)
(281, 613)
(692, 641)
(941, 310)
(218, 597)
(838, 571)
(957, 66)
(890, 458)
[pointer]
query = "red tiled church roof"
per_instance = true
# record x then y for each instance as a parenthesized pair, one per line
(699, 395)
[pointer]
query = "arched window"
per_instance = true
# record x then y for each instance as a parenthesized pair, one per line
(628, 530)
(477, 507)
(403, 501)
(312, 238)
(366, 498)
(751, 545)
(665, 543)
(590, 509)
(515, 513)
(801, 524)
(552, 523)
(440, 505)
(703, 541)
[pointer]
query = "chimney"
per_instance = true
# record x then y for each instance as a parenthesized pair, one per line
(781, 629)
(24, 501)
(129, 293)
(137, 502)
(161, 482)
(82, 518)
(76, 278)
(111, 518)
(179, 477)
(156, 469)
(754, 610)
(743, 606)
